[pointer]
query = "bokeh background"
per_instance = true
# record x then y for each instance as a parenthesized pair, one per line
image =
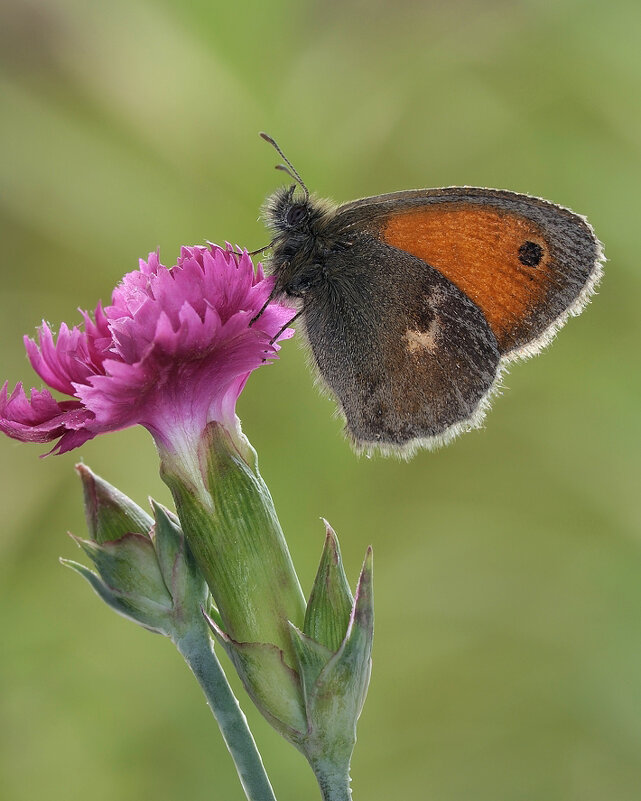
(507, 661)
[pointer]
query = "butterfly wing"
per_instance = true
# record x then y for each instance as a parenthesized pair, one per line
(434, 291)
(526, 263)
(410, 358)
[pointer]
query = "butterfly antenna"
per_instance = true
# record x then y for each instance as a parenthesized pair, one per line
(292, 172)
(283, 168)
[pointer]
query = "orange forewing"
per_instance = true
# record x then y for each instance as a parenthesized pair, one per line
(478, 251)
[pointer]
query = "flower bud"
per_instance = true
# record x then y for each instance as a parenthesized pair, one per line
(334, 662)
(144, 569)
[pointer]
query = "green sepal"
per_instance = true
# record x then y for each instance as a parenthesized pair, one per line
(144, 612)
(180, 573)
(272, 685)
(130, 565)
(109, 512)
(120, 603)
(312, 658)
(330, 602)
(168, 540)
(129, 569)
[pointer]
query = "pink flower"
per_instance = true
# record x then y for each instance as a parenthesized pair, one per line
(172, 353)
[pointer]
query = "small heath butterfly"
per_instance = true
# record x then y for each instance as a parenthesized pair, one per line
(414, 302)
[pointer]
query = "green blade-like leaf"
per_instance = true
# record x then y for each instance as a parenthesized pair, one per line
(312, 658)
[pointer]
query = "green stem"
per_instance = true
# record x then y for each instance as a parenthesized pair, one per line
(197, 649)
(333, 781)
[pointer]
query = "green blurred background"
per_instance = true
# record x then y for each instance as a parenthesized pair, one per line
(507, 662)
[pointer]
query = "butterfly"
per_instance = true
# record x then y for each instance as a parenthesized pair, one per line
(414, 302)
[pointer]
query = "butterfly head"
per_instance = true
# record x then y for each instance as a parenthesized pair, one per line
(286, 213)
(298, 225)
(291, 215)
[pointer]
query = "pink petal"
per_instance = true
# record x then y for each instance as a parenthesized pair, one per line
(40, 418)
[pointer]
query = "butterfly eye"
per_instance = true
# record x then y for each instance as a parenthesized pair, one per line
(530, 254)
(296, 214)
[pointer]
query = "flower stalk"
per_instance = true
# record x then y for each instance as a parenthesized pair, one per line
(197, 650)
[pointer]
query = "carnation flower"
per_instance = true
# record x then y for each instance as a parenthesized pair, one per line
(172, 353)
